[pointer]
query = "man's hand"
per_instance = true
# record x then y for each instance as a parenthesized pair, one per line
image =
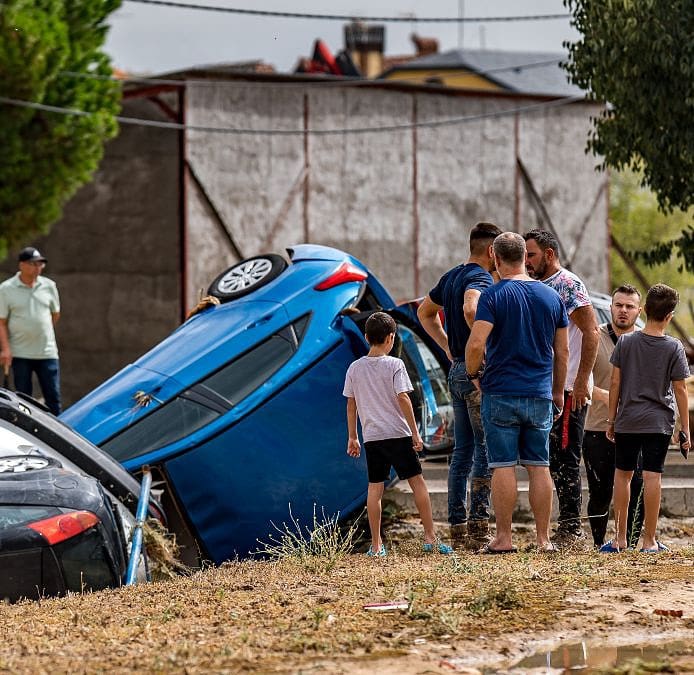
(610, 432)
(476, 382)
(558, 401)
(580, 395)
(6, 359)
(353, 447)
(417, 442)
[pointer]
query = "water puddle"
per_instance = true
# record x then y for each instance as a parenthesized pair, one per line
(590, 657)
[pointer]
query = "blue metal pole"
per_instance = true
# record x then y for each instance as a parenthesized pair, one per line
(140, 515)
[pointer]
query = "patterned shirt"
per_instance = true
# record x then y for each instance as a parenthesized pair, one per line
(574, 295)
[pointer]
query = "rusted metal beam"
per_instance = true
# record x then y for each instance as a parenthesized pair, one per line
(537, 203)
(297, 186)
(415, 200)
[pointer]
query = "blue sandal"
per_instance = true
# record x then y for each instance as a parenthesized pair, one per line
(659, 548)
(381, 553)
(609, 547)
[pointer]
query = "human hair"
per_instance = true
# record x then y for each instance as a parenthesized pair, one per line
(481, 236)
(510, 248)
(378, 327)
(544, 240)
(660, 301)
(627, 289)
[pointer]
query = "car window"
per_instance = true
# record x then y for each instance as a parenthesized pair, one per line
(435, 373)
(190, 411)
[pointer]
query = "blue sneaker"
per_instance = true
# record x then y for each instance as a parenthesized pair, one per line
(443, 549)
(381, 553)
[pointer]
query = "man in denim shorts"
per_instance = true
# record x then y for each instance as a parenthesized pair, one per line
(524, 326)
(457, 292)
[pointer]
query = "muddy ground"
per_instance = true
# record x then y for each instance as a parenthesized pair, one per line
(465, 613)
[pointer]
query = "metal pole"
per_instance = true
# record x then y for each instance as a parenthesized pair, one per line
(140, 515)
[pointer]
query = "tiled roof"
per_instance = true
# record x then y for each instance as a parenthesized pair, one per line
(523, 72)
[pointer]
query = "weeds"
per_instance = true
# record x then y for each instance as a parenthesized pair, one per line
(316, 548)
(496, 594)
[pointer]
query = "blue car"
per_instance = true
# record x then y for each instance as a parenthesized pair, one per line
(240, 413)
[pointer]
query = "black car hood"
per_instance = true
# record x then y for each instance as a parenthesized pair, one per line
(53, 486)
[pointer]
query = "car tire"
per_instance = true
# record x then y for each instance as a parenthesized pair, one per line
(15, 464)
(247, 276)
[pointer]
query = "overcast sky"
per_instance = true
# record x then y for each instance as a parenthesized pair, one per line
(154, 39)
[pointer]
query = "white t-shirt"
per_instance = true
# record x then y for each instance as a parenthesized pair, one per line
(375, 382)
(574, 295)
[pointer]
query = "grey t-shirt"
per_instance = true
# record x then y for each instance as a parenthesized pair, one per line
(648, 364)
(375, 382)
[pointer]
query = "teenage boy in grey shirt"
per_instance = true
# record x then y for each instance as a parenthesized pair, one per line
(376, 387)
(648, 380)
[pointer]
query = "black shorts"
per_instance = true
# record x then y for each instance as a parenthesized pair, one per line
(396, 452)
(652, 446)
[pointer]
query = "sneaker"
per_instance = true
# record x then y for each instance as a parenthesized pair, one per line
(568, 539)
(443, 549)
(381, 553)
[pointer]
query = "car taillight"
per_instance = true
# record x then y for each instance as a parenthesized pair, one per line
(65, 526)
(344, 273)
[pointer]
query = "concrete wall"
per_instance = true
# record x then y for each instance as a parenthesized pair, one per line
(361, 194)
(115, 256)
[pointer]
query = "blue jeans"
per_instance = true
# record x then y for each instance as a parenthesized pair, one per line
(470, 453)
(48, 373)
(517, 428)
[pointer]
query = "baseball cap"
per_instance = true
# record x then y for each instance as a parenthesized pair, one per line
(30, 254)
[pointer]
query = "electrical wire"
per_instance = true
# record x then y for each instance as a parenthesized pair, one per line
(347, 17)
(330, 81)
(451, 121)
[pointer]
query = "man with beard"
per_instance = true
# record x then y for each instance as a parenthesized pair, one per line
(457, 292)
(566, 439)
(598, 451)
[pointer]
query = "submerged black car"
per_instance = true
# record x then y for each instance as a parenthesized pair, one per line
(66, 508)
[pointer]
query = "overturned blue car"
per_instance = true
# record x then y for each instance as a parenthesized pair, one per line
(239, 412)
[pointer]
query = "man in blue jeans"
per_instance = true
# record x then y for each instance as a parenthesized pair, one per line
(29, 308)
(523, 325)
(457, 293)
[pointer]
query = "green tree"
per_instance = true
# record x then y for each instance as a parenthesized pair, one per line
(46, 156)
(638, 56)
(637, 223)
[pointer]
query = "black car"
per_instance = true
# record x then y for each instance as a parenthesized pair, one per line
(66, 508)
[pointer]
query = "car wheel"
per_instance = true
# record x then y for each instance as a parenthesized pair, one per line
(25, 463)
(247, 276)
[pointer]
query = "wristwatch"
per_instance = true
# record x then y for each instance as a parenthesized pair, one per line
(474, 376)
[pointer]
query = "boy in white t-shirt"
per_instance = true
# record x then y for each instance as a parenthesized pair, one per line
(376, 387)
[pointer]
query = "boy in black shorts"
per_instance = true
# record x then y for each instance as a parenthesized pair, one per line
(648, 380)
(376, 387)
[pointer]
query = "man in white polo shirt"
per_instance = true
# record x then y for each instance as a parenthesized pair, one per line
(29, 308)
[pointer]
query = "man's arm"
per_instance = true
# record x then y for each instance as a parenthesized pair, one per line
(682, 400)
(406, 407)
(585, 321)
(472, 295)
(428, 314)
(55, 316)
(474, 350)
(5, 353)
(560, 365)
(353, 447)
(615, 383)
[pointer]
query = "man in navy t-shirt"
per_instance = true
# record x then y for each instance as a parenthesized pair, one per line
(523, 324)
(457, 293)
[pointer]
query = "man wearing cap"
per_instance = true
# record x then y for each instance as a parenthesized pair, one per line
(29, 308)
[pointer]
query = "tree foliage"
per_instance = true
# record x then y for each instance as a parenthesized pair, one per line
(47, 156)
(637, 223)
(638, 56)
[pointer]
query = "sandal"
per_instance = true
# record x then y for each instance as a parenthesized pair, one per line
(443, 549)
(609, 547)
(659, 548)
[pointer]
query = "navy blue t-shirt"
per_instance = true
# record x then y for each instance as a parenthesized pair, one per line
(449, 292)
(520, 348)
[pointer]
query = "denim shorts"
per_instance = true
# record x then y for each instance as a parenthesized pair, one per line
(517, 430)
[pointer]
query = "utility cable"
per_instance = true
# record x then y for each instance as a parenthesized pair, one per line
(353, 17)
(452, 121)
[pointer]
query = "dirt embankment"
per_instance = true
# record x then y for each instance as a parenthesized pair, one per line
(465, 613)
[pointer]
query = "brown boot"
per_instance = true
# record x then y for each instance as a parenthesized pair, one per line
(459, 535)
(477, 534)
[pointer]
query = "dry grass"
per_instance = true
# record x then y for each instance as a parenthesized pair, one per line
(279, 616)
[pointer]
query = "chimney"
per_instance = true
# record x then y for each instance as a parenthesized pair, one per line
(424, 46)
(366, 44)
